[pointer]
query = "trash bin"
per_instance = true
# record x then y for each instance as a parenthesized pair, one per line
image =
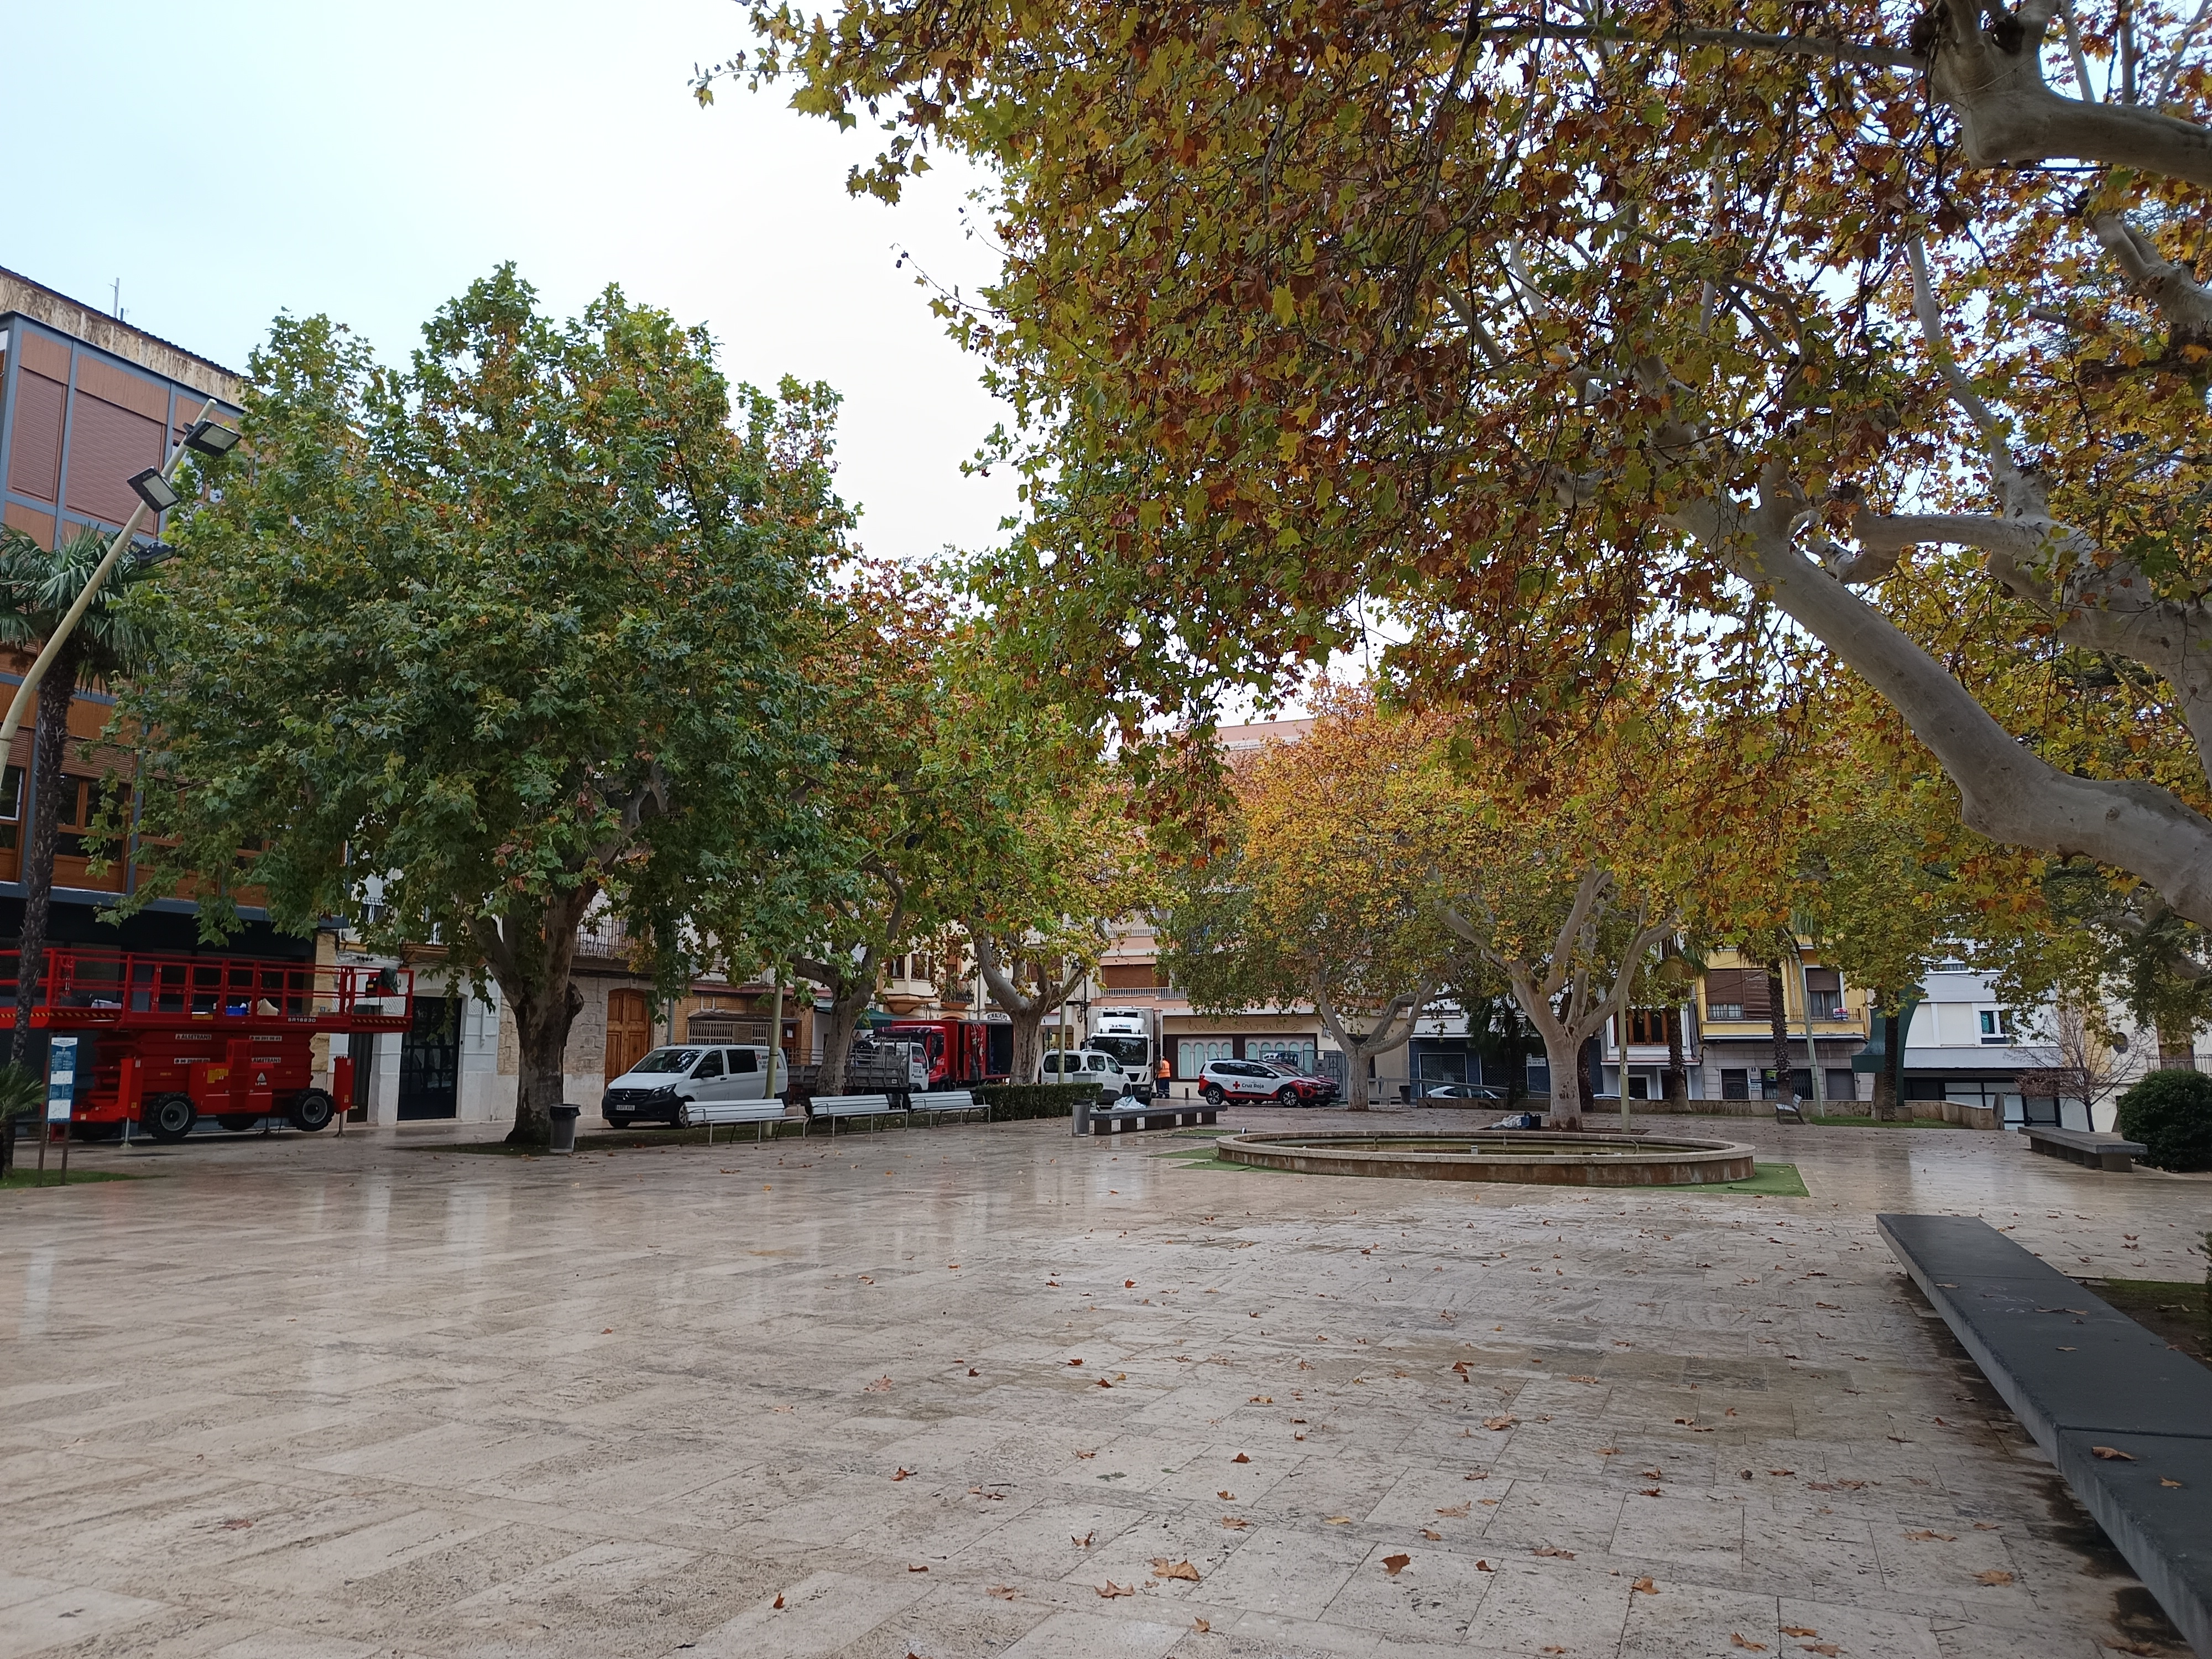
(1080, 1115)
(565, 1128)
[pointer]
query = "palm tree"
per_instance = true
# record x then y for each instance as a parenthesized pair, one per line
(37, 588)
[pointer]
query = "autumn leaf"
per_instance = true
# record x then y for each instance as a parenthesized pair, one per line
(912, 1568)
(1083, 1542)
(1240, 1458)
(1431, 1534)
(777, 1604)
(1075, 1362)
(881, 1385)
(1004, 1592)
(1128, 1283)
(2111, 1454)
(1338, 1520)
(1924, 1536)
(1557, 1555)
(1226, 1496)
(1200, 1625)
(2163, 1481)
(1736, 1639)
(237, 1523)
(1484, 1566)
(1799, 1630)
(1183, 1570)
(1234, 1522)
(1644, 1586)
(1394, 1565)
(1582, 1379)
(1110, 1590)
(1994, 1576)
(1455, 1509)
(1499, 1424)
(903, 1474)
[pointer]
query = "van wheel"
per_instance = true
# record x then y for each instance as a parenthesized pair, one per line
(238, 1122)
(311, 1111)
(171, 1117)
(682, 1118)
(1211, 1094)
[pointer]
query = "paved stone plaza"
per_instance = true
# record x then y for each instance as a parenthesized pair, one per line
(972, 1391)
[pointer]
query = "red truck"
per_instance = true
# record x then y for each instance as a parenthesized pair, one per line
(164, 1040)
(960, 1051)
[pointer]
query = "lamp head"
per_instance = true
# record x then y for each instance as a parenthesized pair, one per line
(149, 554)
(156, 491)
(210, 438)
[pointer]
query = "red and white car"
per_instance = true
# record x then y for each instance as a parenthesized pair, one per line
(1263, 1079)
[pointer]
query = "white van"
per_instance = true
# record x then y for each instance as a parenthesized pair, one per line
(667, 1080)
(1084, 1065)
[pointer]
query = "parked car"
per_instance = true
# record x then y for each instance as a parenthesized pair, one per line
(1263, 1079)
(663, 1086)
(1460, 1091)
(1085, 1066)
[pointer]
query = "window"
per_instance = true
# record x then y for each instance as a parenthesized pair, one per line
(1650, 1026)
(1736, 1084)
(743, 1061)
(1192, 1055)
(1737, 994)
(82, 800)
(1291, 1051)
(11, 805)
(1824, 990)
(1994, 1028)
(710, 1065)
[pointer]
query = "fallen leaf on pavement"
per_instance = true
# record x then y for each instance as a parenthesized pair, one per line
(1799, 1630)
(1994, 1576)
(1736, 1639)
(2163, 1481)
(1226, 1496)
(881, 1385)
(777, 1603)
(1110, 1590)
(912, 1568)
(1167, 1569)
(1087, 1453)
(1240, 1458)
(1237, 1521)
(903, 1474)
(1582, 1379)
(1560, 1555)
(237, 1523)
(1456, 1509)
(1608, 1451)
(1645, 1586)
(1338, 1520)
(1924, 1536)
(1782, 1471)
(1075, 1362)
(1484, 1566)
(1128, 1283)
(1083, 1542)
(1004, 1592)
(1432, 1535)
(1394, 1565)
(1499, 1423)
(2111, 1454)
(1262, 1400)
(1200, 1625)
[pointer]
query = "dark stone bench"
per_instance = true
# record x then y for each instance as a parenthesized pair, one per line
(2099, 1151)
(2085, 1380)
(1112, 1120)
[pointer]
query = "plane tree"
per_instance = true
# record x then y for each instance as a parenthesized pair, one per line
(1886, 318)
(501, 637)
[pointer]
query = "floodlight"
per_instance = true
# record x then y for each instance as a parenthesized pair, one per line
(156, 491)
(149, 554)
(210, 438)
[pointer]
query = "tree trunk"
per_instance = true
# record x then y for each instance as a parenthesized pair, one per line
(1029, 1041)
(1360, 1050)
(1590, 1062)
(1024, 1010)
(1516, 1057)
(49, 758)
(1563, 1058)
(1777, 1014)
(850, 994)
(543, 1019)
(1674, 1085)
(1887, 1108)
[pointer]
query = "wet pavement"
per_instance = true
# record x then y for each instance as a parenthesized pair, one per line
(970, 1390)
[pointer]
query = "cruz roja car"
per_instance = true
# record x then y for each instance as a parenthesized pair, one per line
(667, 1081)
(1263, 1079)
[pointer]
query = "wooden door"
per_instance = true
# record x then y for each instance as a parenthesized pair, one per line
(629, 1030)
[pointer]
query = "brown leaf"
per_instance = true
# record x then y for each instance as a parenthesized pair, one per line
(1262, 1400)
(1652, 1474)
(1558, 1555)
(1075, 1362)
(1110, 1590)
(1608, 1451)
(1236, 1522)
(1737, 1639)
(1645, 1586)
(1994, 1576)
(2163, 1481)
(1456, 1509)
(1782, 1471)
(1338, 1520)
(236, 1523)
(1484, 1566)
(1924, 1536)
(1394, 1565)
(1240, 1458)
(912, 1568)
(1432, 1535)
(1582, 1379)
(609, 1331)
(1200, 1625)
(903, 1474)
(1004, 1592)
(1128, 1283)
(881, 1385)
(1226, 1496)
(1499, 1424)
(1092, 1452)
(1799, 1630)
(1103, 1384)
(1083, 1542)
(972, 1371)
(2111, 1454)
(777, 1604)
(1167, 1569)
(1648, 1491)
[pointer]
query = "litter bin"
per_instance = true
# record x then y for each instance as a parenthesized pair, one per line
(565, 1128)
(1080, 1115)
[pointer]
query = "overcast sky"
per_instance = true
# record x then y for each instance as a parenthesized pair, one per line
(237, 158)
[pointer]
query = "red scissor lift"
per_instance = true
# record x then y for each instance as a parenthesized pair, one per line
(174, 1038)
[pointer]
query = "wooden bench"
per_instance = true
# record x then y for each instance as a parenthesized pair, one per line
(2098, 1152)
(712, 1112)
(1112, 1120)
(942, 1103)
(2126, 1418)
(834, 1107)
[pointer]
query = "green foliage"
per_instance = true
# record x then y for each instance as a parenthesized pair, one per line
(37, 584)
(486, 638)
(1011, 1102)
(2171, 1114)
(23, 1091)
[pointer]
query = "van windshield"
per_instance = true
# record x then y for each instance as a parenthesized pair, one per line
(1130, 1051)
(667, 1059)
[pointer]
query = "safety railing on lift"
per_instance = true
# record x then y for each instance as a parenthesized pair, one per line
(94, 987)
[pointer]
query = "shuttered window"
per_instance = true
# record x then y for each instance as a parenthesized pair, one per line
(106, 446)
(34, 447)
(1737, 994)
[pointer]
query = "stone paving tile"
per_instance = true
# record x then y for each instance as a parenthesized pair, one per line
(616, 1405)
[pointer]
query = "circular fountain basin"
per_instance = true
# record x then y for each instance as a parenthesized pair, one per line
(1535, 1157)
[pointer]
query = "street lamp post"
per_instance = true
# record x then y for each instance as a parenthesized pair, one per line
(156, 495)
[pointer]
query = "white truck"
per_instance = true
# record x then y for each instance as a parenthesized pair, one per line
(1132, 1035)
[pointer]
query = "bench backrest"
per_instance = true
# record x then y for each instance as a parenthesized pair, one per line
(849, 1105)
(944, 1100)
(733, 1111)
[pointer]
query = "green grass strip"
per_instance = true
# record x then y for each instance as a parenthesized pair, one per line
(1767, 1180)
(25, 1176)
